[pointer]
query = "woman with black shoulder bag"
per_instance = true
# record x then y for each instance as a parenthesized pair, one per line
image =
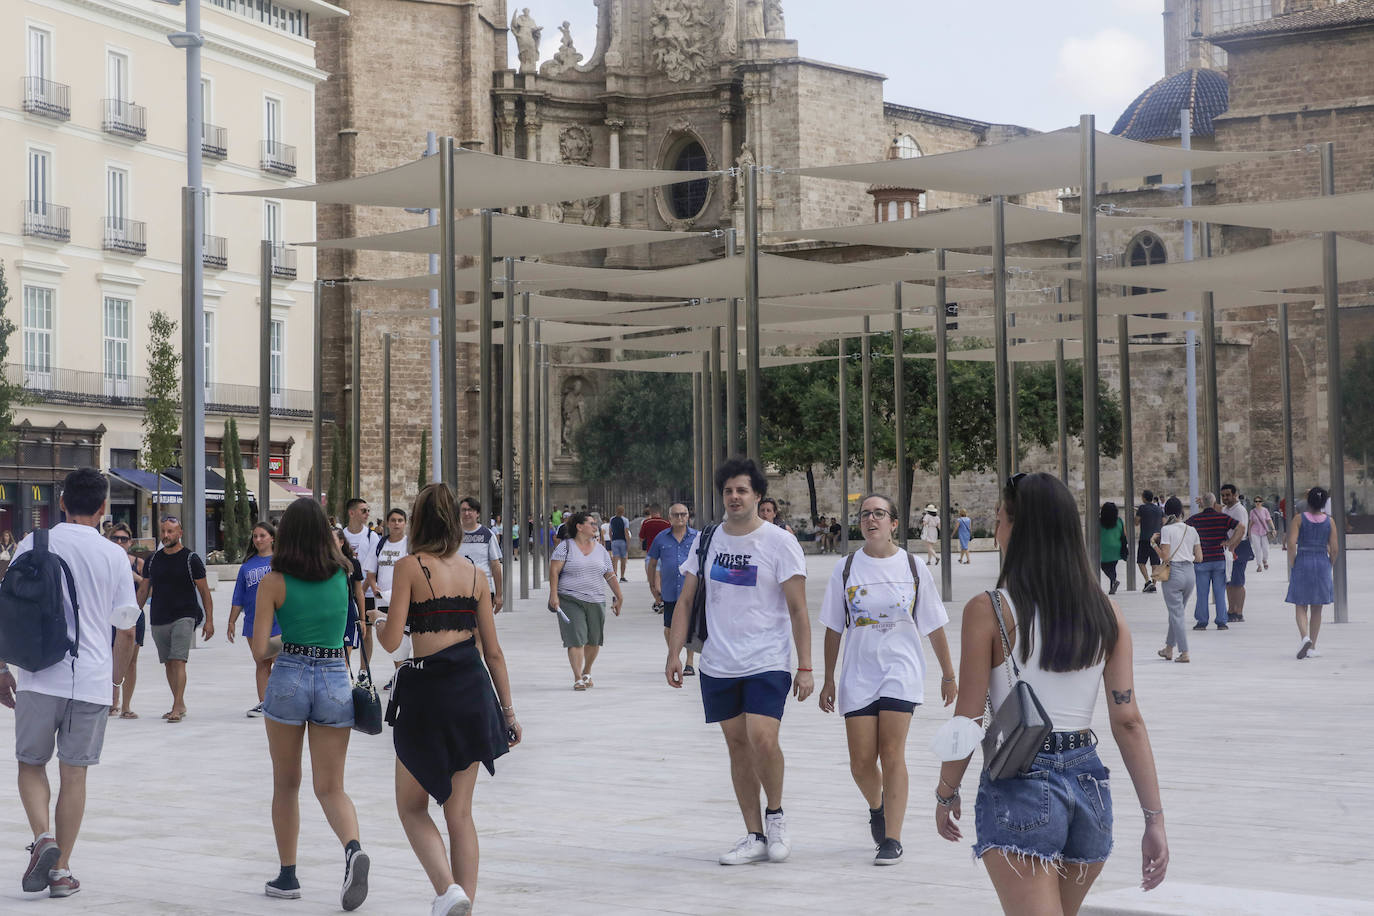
(1179, 548)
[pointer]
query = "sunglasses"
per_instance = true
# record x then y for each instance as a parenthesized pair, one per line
(1014, 479)
(171, 518)
(120, 539)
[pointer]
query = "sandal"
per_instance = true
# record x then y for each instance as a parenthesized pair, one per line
(114, 710)
(580, 684)
(128, 714)
(587, 679)
(175, 716)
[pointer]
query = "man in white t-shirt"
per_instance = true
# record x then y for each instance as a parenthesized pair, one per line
(66, 705)
(1241, 555)
(388, 554)
(482, 547)
(364, 542)
(755, 612)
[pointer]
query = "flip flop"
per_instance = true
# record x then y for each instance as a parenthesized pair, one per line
(128, 714)
(175, 717)
(166, 715)
(114, 710)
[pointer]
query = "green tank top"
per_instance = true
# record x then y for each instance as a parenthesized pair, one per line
(314, 613)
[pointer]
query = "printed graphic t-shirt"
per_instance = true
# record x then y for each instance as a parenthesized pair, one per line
(749, 630)
(246, 585)
(364, 545)
(883, 655)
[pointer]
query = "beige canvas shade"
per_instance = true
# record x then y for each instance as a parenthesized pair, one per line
(853, 325)
(542, 307)
(1290, 265)
(686, 362)
(528, 275)
(1164, 301)
(558, 332)
(480, 180)
(1136, 325)
(879, 298)
(715, 313)
(700, 339)
(965, 227)
(1352, 212)
(1039, 352)
(962, 259)
(512, 236)
(1036, 163)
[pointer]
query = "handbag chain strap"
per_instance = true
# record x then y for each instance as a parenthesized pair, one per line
(1008, 663)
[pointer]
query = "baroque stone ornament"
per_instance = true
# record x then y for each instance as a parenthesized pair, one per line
(526, 33)
(565, 58)
(773, 24)
(684, 37)
(575, 145)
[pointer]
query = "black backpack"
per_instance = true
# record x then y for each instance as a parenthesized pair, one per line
(696, 627)
(33, 616)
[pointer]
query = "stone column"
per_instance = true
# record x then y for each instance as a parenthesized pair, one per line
(506, 120)
(727, 156)
(615, 125)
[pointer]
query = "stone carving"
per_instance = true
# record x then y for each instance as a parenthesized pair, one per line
(526, 33)
(591, 211)
(575, 145)
(572, 410)
(683, 37)
(773, 25)
(744, 162)
(751, 20)
(565, 58)
(729, 28)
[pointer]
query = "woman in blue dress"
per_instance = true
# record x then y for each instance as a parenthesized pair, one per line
(1312, 550)
(965, 535)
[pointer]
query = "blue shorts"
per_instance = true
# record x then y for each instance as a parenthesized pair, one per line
(315, 690)
(1238, 566)
(763, 694)
(620, 549)
(883, 704)
(1059, 812)
(668, 607)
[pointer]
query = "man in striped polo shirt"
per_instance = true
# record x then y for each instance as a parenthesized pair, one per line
(1216, 531)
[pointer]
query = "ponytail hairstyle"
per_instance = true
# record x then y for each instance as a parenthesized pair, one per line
(1316, 499)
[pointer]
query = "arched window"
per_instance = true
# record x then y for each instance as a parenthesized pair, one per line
(1146, 250)
(687, 199)
(906, 209)
(907, 147)
(891, 211)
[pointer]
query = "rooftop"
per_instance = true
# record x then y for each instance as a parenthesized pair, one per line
(1349, 14)
(1154, 113)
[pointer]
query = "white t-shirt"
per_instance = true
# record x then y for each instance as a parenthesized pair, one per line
(390, 553)
(1180, 538)
(748, 627)
(364, 545)
(930, 527)
(1238, 513)
(105, 593)
(883, 656)
(483, 548)
(605, 532)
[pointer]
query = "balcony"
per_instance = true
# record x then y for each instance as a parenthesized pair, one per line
(46, 98)
(84, 388)
(283, 262)
(214, 141)
(215, 254)
(278, 158)
(124, 119)
(47, 221)
(127, 236)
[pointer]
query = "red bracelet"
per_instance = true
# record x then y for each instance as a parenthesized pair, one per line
(803, 669)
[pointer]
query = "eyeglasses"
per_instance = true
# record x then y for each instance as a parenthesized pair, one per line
(120, 538)
(678, 514)
(875, 513)
(171, 518)
(1014, 479)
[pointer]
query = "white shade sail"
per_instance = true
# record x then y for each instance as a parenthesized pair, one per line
(1291, 265)
(1352, 212)
(1036, 163)
(1166, 301)
(700, 339)
(480, 180)
(714, 313)
(1039, 352)
(961, 259)
(512, 236)
(686, 362)
(529, 275)
(558, 332)
(879, 298)
(852, 325)
(1136, 326)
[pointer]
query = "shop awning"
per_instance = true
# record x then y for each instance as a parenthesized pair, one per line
(149, 481)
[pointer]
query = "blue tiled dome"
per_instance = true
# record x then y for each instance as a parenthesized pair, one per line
(1154, 113)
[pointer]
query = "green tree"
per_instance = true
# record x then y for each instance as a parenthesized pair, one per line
(162, 405)
(424, 458)
(233, 530)
(11, 393)
(639, 432)
(245, 518)
(1357, 408)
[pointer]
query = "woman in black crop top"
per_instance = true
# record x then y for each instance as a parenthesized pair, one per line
(445, 717)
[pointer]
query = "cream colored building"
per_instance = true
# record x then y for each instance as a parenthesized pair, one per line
(93, 159)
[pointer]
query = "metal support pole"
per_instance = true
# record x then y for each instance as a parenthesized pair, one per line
(527, 465)
(448, 318)
(436, 417)
(707, 465)
(751, 308)
(355, 412)
(844, 449)
(541, 506)
(386, 423)
(1286, 418)
(1185, 117)
(486, 371)
(1123, 343)
(899, 405)
(1209, 369)
(264, 383)
(999, 320)
(1088, 260)
(1061, 383)
(713, 425)
(731, 361)
(317, 419)
(702, 513)
(546, 450)
(866, 381)
(193, 373)
(508, 507)
(1335, 431)
(1013, 415)
(942, 425)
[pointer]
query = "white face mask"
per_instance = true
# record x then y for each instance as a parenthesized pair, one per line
(956, 739)
(124, 618)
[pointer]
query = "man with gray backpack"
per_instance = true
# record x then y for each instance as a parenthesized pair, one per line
(64, 590)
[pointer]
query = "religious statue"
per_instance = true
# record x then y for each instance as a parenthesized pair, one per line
(752, 20)
(565, 58)
(683, 33)
(743, 163)
(526, 33)
(773, 25)
(573, 411)
(591, 211)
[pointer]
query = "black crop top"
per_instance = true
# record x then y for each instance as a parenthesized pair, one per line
(438, 614)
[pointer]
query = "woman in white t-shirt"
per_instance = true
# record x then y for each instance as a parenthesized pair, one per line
(1178, 546)
(881, 601)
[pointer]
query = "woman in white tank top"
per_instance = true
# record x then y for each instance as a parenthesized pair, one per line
(1068, 640)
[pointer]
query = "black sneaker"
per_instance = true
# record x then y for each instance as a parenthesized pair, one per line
(284, 888)
(877, 824)
(1199, 626)
(1221, 626)
(354, 890)
(1112, 590)
(1149, 588)
(889, 852)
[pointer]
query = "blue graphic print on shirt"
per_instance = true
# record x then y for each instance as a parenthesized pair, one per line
(735, 569)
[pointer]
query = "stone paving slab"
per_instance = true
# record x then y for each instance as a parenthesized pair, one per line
(620, 801)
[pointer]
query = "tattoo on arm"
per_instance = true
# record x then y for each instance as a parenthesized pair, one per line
(1120, 697)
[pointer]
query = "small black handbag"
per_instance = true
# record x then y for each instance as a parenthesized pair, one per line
(1017, 731)
(367, 706)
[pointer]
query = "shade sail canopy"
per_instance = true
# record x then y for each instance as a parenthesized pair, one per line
(961, 259)
(714, 313)
(700, 339)
(512, 236)
(480, 180)
(853, 325)
(1037, 352)
(1166, 301)
(879, 298)
(686, 362)
(150, 482)
(1035, 163)
(1339, 213)
(966, 227)
(556, 332)
(529, 275)
(1291, 265)
(1136, 326)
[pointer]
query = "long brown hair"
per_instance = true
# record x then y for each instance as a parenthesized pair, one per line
(434, 526)
(305, 547)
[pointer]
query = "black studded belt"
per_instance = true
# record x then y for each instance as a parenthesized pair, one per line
(291, 648)
(1059, 742)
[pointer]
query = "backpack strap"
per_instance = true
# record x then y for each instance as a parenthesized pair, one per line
(915, 583)
(703, 547)
(40, 548)
(380, 544)
(844, 587)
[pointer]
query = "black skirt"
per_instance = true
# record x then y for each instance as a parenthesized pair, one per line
(444, 717)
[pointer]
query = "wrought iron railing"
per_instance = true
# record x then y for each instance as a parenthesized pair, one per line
(47, 221)
(214, 141)
(283, 262)
(46, 98)
(124, 119)
(128, 236)
(216, 252)
(278, 157)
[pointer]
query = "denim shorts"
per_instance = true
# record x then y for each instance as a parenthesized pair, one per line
(620, 548)
(316, 690)
(1058, 813)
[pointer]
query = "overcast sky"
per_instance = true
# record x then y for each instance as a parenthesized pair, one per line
(1005, 61)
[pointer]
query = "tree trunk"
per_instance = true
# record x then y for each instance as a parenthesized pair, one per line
(811, 490)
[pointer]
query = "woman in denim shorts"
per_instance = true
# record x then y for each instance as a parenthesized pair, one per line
(1044, 835)
(309, 692)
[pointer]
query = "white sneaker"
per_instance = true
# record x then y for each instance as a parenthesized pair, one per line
(1313, 653)
(779, 846)
(1304, 647)
(453, 902)
(747, 851)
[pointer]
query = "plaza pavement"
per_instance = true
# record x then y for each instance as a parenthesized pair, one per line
(619, 801)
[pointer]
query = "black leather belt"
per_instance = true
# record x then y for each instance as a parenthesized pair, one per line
(291, 648)
(1059, 742)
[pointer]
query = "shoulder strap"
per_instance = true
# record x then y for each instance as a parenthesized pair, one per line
(40, 550)
(703, 546)
(844, 586)
(1008, 662)
(380, 544)
(430, 582)
(915, 583)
